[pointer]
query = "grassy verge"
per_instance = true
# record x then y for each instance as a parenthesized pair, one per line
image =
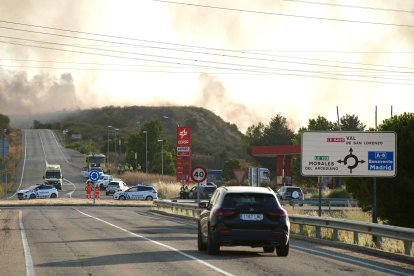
(11, 161)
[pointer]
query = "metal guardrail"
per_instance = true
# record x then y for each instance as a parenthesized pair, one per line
(406, 235)
(324, 201)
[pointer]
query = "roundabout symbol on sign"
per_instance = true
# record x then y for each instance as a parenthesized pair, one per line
(199, 174)
(352, 156)
(94, 175)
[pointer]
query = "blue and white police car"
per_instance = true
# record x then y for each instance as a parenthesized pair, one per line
(137, 192)
(38, 191)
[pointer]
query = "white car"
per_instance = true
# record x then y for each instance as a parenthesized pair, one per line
(38, 191)
(138, 192)
(115, 186)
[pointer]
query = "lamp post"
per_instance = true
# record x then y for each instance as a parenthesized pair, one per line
(146, 151)
(107, 148)
(116, 153)
(162, 156)
(116, 129)
(166, 117)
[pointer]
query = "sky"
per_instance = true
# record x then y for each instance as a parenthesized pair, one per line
(246, 61)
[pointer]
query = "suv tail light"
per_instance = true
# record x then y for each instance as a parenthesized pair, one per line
(277, 214)
(225, 212)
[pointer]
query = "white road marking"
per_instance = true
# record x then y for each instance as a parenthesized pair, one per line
(71, 192)
(160, 244)
(351, 260)
(26, 249)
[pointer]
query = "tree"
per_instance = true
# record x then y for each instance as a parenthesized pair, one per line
(136, 144)
(394, 195)
(321, 123)
(4, 121)
(351, 123)
(276, 133)
(228, 167)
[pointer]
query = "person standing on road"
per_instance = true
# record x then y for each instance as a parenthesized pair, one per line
(97, 191)
(88, 189)
(184, 192)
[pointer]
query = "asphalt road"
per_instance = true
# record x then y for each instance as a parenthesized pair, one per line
(41, 146)
(135, 241)
(97, 240)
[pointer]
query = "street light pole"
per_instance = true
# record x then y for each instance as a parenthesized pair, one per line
(107, 148)
(116, 154)
(116, 129)
(162, 156)
(146, 151)
(166, 117)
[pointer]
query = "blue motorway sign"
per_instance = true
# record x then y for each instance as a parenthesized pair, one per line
(380, 160)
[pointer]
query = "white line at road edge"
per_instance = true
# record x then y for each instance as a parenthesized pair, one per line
(160, 244)
(350, 260)
(26, 248)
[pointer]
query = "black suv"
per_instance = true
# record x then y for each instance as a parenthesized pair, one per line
(243, 216)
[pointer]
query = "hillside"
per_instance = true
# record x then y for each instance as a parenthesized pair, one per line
(214, 140)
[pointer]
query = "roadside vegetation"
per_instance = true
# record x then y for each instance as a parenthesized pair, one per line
(8, 164)
(386, 244)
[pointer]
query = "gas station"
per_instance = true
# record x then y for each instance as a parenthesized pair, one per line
(283, 158)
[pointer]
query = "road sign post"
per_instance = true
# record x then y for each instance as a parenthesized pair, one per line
(198, 174)
(94, 176)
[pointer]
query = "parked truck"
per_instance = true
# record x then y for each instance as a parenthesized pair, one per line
(258, 176)
(53, 175)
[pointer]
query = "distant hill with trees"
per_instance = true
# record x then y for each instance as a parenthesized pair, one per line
(213, 139)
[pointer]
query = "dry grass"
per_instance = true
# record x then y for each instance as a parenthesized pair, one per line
(166, 185)
(11, 160)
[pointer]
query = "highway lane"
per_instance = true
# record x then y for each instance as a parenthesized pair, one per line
(133, 241)
(40, 146)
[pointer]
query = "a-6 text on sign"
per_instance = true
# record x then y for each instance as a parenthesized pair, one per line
(349, 153)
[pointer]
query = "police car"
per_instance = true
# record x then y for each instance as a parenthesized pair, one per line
(38, 191)
(137, 192)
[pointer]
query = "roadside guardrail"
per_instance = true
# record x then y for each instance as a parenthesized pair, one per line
(192, 211)
(330, 202)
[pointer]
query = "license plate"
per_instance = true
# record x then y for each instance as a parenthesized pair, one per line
(255, 217)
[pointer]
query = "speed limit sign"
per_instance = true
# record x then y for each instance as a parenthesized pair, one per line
(199, 174)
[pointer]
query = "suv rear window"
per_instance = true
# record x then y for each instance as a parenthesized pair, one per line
(248, 199)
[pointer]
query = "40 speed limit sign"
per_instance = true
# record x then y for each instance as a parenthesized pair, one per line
(199, 174)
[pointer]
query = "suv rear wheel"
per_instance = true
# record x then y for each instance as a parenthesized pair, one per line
(200, 244)
(282, 250)
(213, 247)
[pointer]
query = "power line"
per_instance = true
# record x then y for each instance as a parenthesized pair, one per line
(285, 14)
(198, 61)
(289, 72)
(349, 6)
(196, 52)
